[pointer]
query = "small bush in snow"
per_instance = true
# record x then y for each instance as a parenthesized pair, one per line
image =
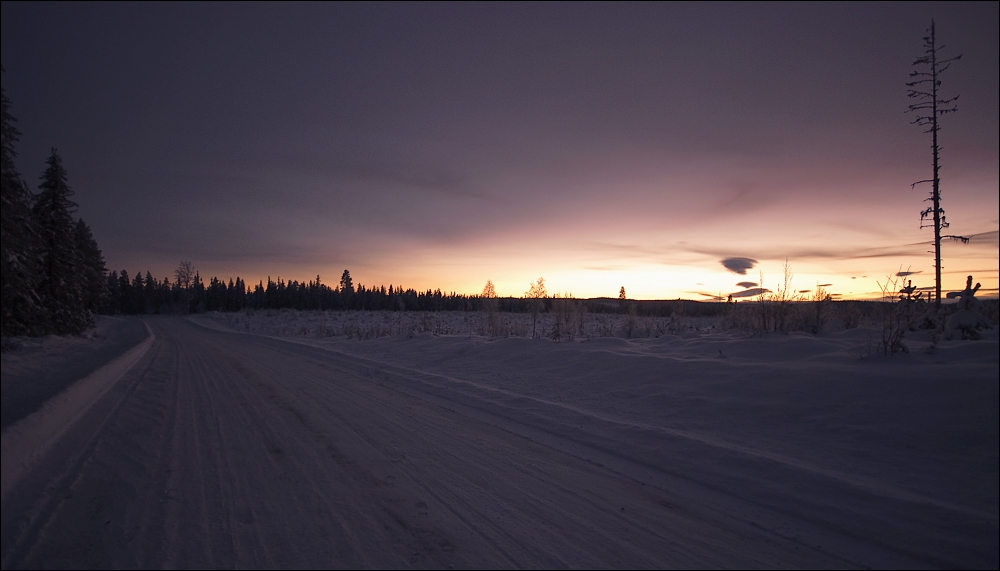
(966, 322)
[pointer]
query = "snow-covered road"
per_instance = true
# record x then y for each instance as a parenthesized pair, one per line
(224, 449)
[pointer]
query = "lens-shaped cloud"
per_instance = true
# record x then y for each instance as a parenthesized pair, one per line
(739, 265)
(750, 292)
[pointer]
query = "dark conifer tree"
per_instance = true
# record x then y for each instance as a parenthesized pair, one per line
(112, 304)
(165, 296)
(19, 304)
(197, 290)
(151, 294)
(125, 301)
(138, 294)
(91, 271)
(346, 284)
(59, 285)
(235, 295)
(346, 290)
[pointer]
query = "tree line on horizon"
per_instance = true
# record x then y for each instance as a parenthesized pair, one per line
(143, 294)
(189, 293)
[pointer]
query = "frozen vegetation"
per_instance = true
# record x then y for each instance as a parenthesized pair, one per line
(569, 326)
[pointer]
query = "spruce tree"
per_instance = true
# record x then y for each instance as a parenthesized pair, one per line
(125, 297)
(151, 293)
(138, 294)
(59, 285)
(346, 289)
(112, 304)
(92, 271)
(346, 283)
(197, 290)
(19, 304)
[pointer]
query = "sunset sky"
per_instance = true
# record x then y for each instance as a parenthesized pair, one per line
(678, 150)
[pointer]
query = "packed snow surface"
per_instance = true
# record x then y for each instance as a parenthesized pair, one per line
(37, 369)
(288, 440)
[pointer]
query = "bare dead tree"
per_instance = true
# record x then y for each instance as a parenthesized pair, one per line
(184, 274)
(924, 87)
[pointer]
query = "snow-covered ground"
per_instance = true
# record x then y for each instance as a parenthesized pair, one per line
(414, 440)
(792, 413)
(573, 325)
(35, 369)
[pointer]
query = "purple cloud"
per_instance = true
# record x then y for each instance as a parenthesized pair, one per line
(739, 265)
(750, 292)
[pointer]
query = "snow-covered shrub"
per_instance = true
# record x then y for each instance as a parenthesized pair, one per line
(967, 321)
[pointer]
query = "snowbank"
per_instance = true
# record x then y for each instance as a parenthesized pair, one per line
(35, 369)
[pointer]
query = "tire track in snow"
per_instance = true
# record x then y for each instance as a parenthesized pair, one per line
(447, 382)
(364, 369)
(301, 410)
(808, 515)
(47, 485)
(237, 450)
(902, 505)
(437, 493)
(604, 458)
(374, 446)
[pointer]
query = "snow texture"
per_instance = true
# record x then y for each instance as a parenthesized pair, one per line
(37, 368)
(320, 440)
(30, 437)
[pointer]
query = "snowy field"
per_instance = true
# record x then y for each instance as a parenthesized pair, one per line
(412, 440)
(815, 426)
(374, 324)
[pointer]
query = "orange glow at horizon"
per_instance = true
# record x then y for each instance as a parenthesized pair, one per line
(702, 280)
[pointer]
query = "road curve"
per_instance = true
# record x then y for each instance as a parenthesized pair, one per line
(223, 449)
